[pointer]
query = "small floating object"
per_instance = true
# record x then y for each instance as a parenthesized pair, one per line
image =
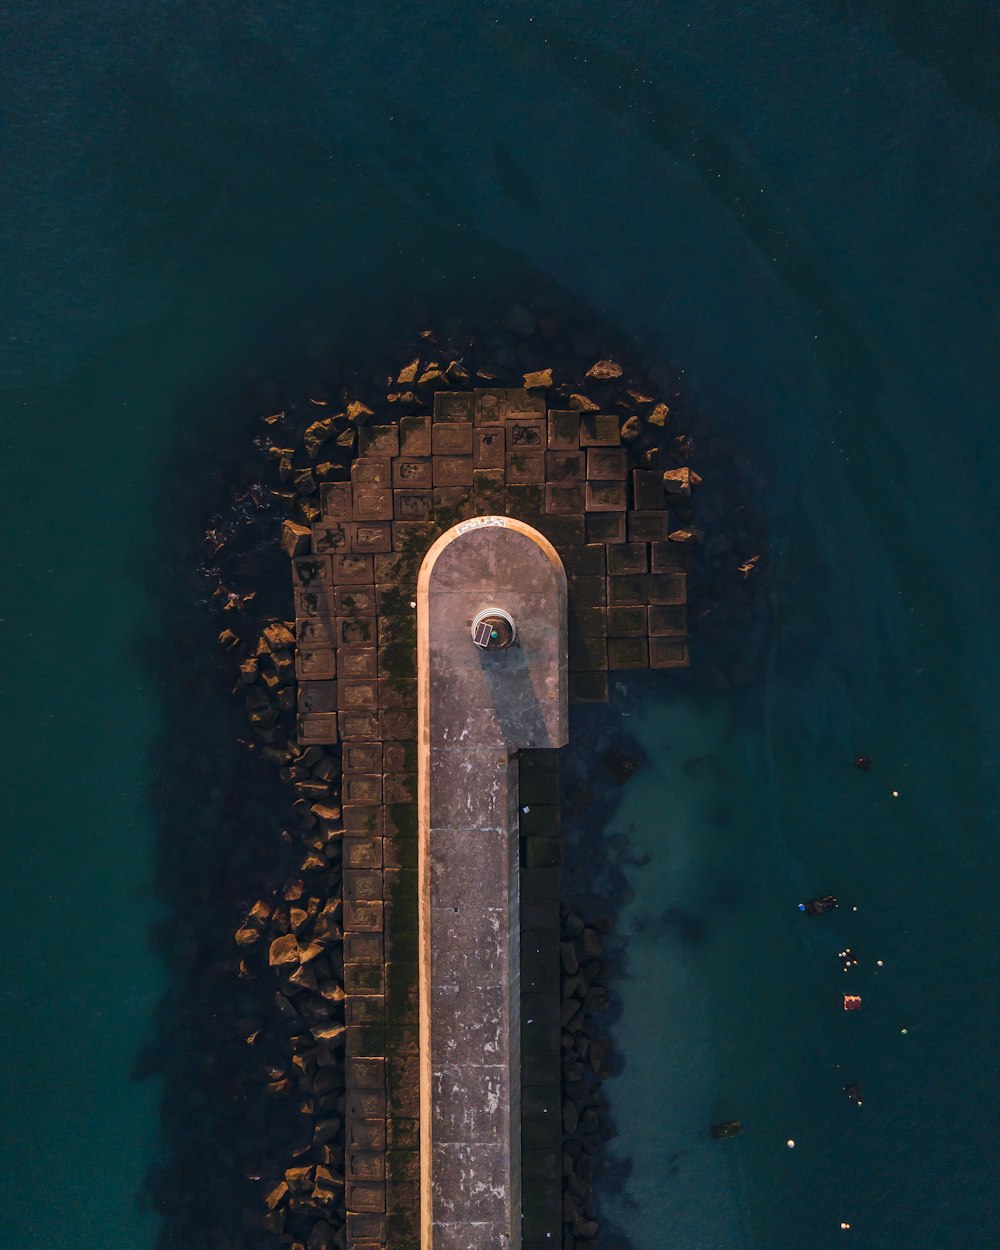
(853, 1092)
(817, 906)
(863, 762)
(619, 764)
(790, 1143)
(728, 1128)
(844, 1224)
(852, 1002)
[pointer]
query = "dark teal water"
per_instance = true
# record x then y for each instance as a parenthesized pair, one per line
(796, 203)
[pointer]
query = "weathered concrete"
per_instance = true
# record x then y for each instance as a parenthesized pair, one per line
(476, 709)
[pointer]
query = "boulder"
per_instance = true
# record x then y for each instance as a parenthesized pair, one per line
(686, 536)
(583, 403)
(658, 416)
(538, 380)
(604, 371)
(284, 950)
(408, 374)
(630, 430)
(677, 481)
(317, 434)
(359, 412)
(229, 639)
(294, 539)
(457, 374)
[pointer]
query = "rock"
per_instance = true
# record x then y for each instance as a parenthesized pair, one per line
(228, 639)
(432, 377)
(747, 567)
(346, 438)
(279, 638)
(677, 481)
(294, 539)
(630, 430)
(686, 536)
(249, 670)
(247, 936)
(457, 374)
(587, 1229)
(569, 1008)
(284, 950)
(317, 434)
(305, 481)
(567, 955)
(276, 1195)
(583, 404)
(570, 1117)
(658, 416)
(358, 412)
(408, 374)
(593, 944)
(305, 978)
(520, 321)
(538, 380)
(604, 371)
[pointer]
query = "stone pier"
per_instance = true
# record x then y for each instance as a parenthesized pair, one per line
(476, 709)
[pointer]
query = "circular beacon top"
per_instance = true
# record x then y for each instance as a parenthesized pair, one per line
(493, 629)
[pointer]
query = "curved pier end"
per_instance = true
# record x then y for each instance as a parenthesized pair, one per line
(476, 709)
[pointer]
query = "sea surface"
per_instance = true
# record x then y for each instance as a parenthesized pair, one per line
(795, 203)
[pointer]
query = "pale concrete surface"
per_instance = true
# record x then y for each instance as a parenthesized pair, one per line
(476, 709)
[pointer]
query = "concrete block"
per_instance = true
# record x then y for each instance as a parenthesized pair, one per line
(453, 504)
(354, 600)
(454, 406)
(378, 440)
(488, 491)
(400, 788)
(587, 592)
(363, 819)
(359, 725)
(667, 588)
(627, 592)
(332, 536)
(525, 500)
(353, 570)
(668, 557)
(318, 665)
(453, 470)
(668, 621)
(361, 980)
(415, 436)
(364, 948)
(318, 727)
(626, 622)
(372, 536)
(668, 653)
(627, 653)
(364, 1165)
(565, 466)
(362, 853)
(397, 692)
(489, 447)
(626, 558)
(605, 527)
(525, 466)
(565, 498)
(606, 464)
(411, 504)
(314, 571)
(525, 434)
(371, 471)
(336, 501)
(372, 503)
(317, 696)
(605, 496)
(366, 1134)
(645, 527)
(599, 429)
(364, 916)
(563, 429)
(365, 1196)
(314, 633)
(412, 473)
(357, 662)
(584, 560)
(451, 438)
(398, 722)
(357, 694)
(648, 494)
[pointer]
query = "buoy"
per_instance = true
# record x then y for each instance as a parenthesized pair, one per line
(852, 1002)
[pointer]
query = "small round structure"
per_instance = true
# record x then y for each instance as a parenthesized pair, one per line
(493, 629)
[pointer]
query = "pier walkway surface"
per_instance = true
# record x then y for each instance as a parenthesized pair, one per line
(476, 709)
